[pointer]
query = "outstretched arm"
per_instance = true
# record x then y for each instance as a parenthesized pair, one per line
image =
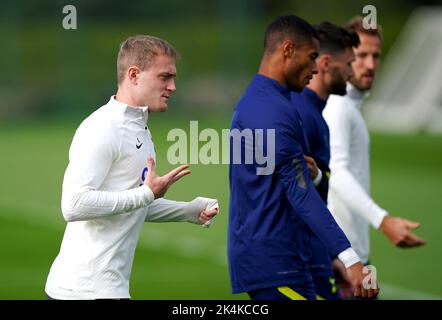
(307, 204)
(90, 158)
(199, 211)
(348, 189)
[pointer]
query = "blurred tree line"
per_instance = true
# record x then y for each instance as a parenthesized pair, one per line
(48, 71)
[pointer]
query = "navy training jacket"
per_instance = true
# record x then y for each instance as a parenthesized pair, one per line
(272, 216)
(309, 106)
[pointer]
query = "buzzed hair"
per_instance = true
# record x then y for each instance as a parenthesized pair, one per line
(334, 39)
(288, 27)
(140, 51)
(356, 25)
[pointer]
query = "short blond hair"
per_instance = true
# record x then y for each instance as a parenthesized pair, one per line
(140, 51)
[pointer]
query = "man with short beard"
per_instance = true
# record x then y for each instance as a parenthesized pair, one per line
(272, 215)
(334, 70)
(349, 195)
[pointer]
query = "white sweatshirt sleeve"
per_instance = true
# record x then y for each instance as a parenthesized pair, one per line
(348, 257)
(91, 155)
(163, 210)
(342, 180)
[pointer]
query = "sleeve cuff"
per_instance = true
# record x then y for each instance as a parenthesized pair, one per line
(378, 216)
(197, 205)
(148, 196)
(348, 257)
(318, 178)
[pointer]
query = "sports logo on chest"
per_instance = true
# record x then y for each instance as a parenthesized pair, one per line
(139, 144)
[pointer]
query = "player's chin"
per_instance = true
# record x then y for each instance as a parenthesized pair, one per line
(362, 84)
(162, 106)
(367, 83)
(298, 87)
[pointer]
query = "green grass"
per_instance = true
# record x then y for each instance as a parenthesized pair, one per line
(407, 181)
(184, 261)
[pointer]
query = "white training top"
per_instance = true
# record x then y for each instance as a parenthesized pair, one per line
(349, 188)
(105, 204)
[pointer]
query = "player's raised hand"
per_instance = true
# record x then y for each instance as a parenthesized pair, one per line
(361, 287)
(398, 230)
(312, 167)
(160, 184)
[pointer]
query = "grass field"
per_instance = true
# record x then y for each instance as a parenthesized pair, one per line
(183, 261)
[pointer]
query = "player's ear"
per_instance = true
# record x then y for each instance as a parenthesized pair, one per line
(323, 62)
(132, 74)
(288, 48)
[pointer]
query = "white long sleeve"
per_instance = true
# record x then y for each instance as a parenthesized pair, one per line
(342, 180)
(347, 187)
(163, 210)
(93, 204)
(349, 197)
(90, 158)
(105, 203)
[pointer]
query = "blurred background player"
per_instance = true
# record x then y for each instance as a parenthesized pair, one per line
(272, 216)
(334, 70)
(349, 195)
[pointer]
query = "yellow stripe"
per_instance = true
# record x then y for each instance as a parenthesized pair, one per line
(333, 283)
(318, 297)
(327, 174)
(292, 294)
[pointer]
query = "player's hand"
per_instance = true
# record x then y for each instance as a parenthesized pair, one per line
(160, 184)
(207, 215)
(203, 210)
(356, 277)
(312, 167)
(342, 280)
(398, 230)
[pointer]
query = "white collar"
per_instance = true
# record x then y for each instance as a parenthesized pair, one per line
(131, 111)
(357, 95)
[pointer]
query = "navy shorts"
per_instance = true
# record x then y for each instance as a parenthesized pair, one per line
(305, 291)
(325, 287)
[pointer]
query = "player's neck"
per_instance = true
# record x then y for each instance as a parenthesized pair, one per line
(125, 97)
(318, 87)
(272, 69)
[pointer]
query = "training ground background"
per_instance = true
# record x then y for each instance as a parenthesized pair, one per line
(184, 261)
(53, 78)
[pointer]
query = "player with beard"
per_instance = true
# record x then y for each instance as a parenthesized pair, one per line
(272, 214)
(349, 197)
(334, 69)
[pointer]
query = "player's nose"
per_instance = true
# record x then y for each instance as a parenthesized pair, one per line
(370, 63)
(314, 67)
(171, 87)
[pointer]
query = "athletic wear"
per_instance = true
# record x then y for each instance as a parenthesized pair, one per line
(309, 106)
(349, 195)
(106, 203)
(271, 216)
